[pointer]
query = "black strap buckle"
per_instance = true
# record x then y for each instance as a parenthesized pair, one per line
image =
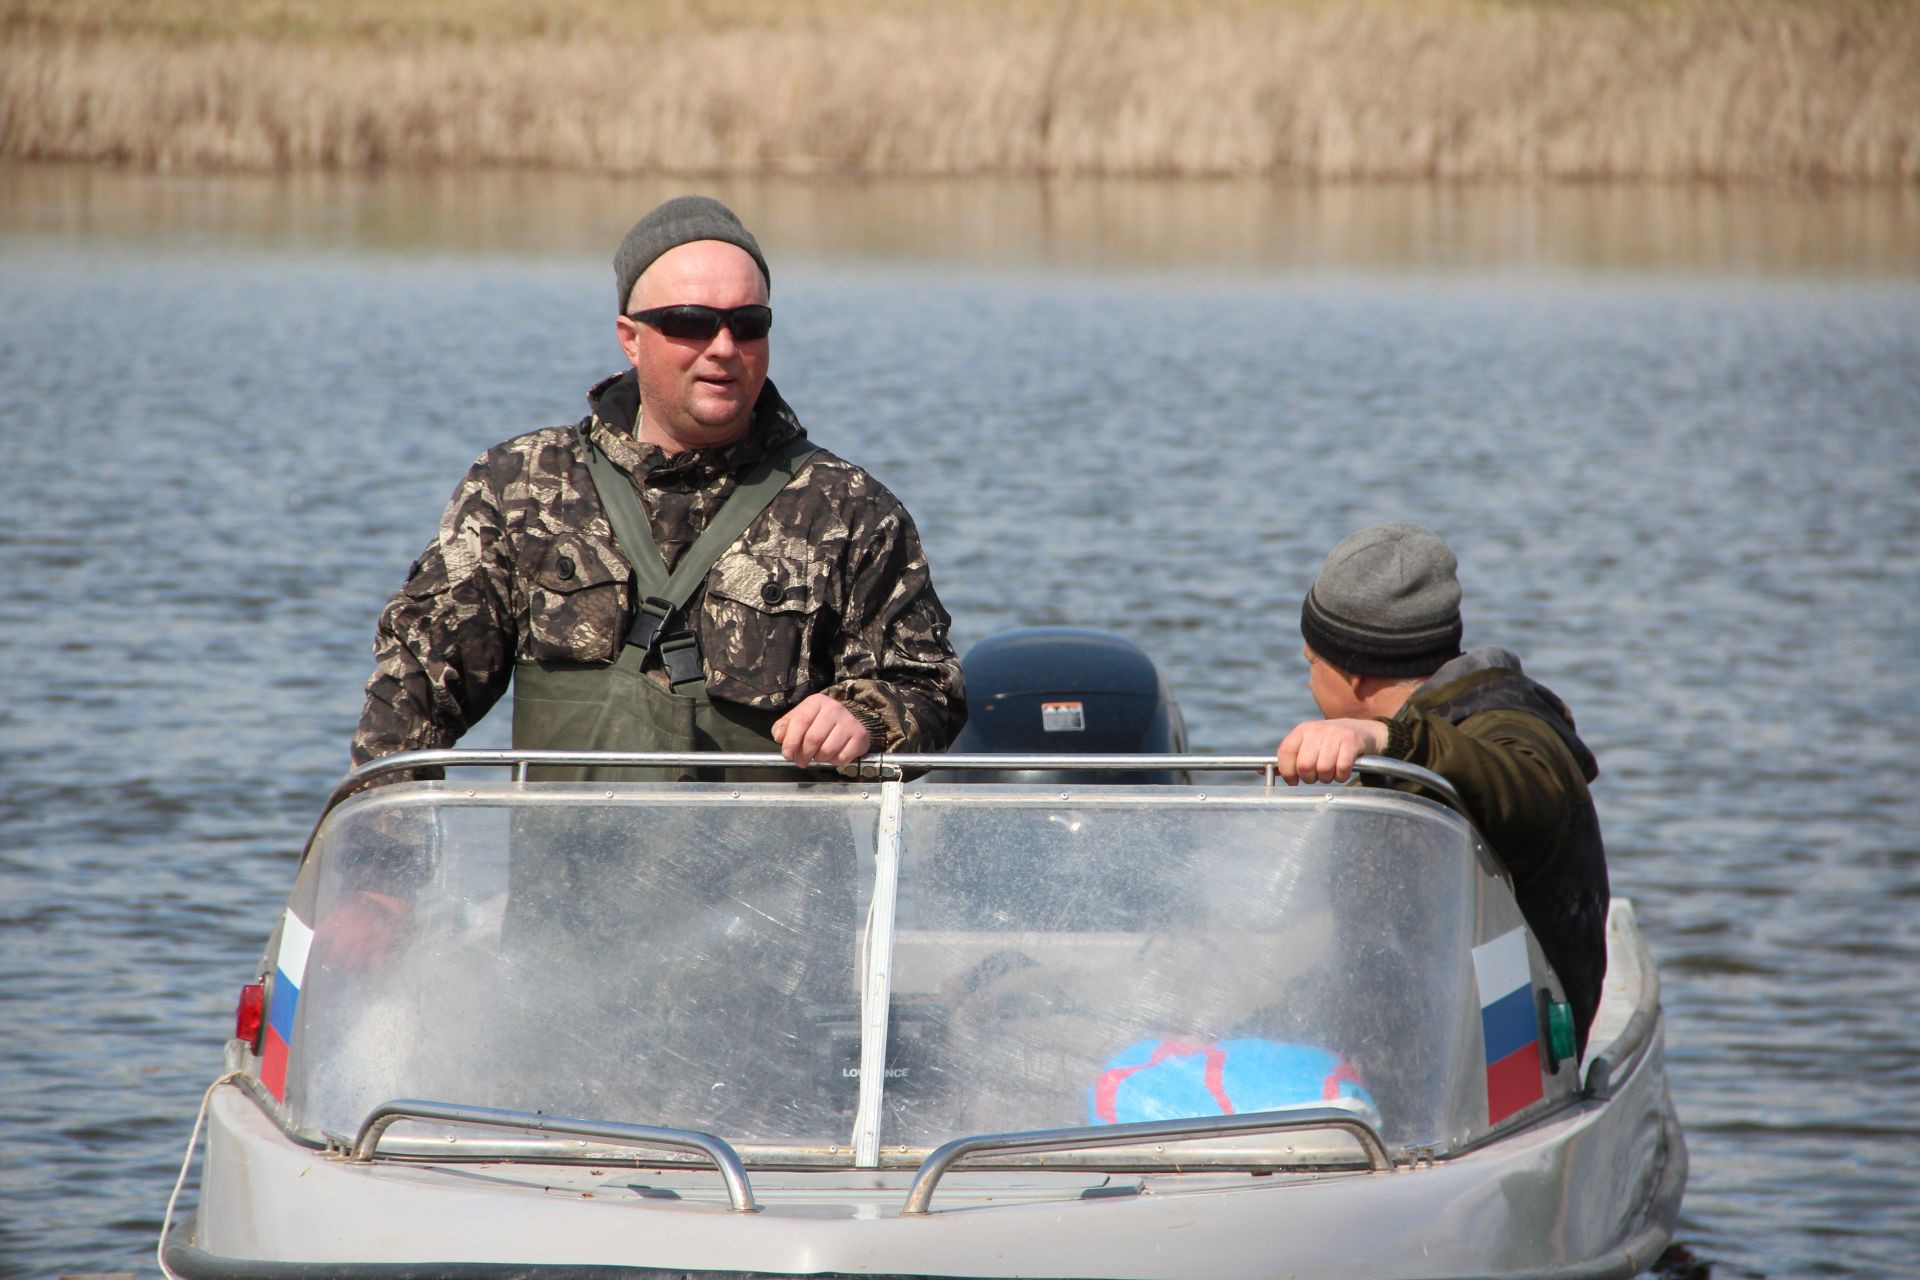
(680, 655)
(650, 618)
(658, 630)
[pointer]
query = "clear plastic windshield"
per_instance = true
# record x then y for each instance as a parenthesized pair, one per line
(656, 958)
(693, 957)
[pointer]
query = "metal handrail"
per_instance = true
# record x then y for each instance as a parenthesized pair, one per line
(935, 1166)
(867, 767)
(872, 767)
(732, 1171)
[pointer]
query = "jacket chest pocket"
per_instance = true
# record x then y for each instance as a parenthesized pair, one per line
(764, 627)
(576, 602)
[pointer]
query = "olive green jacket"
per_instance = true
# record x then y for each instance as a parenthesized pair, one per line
(1509, 748)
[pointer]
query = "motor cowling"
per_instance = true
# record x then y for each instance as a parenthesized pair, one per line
(1066, 691)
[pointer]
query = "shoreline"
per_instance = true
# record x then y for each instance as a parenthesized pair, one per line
(1730, 91)
(1218, 228)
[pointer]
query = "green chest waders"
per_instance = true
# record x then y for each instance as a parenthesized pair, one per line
(576, 706)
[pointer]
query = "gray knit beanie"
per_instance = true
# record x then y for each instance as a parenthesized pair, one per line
(1386, 603)
(681, 220)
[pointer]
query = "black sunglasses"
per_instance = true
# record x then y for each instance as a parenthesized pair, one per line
(748, 323)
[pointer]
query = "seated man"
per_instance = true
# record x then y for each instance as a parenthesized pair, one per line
(1382, 627)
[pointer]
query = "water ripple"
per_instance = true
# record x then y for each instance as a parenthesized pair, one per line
(1690, 501)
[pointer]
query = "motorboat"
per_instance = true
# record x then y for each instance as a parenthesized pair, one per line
(1097, 1015)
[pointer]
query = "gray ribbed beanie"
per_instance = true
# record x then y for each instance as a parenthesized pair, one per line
(681, 220)
(1386, 603)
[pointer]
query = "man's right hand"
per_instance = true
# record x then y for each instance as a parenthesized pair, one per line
(821, 730)
(1324, 750)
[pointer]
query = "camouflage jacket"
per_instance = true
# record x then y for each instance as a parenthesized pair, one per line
(827, 591)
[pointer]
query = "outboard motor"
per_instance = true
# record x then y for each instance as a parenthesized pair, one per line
(1066, 691)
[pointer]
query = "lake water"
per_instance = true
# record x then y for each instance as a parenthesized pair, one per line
(1674, 435)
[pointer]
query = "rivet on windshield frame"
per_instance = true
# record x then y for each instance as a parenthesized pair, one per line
(609, 795)
(469, 793)
(734, 794)
(863, 795)
(1203, 795)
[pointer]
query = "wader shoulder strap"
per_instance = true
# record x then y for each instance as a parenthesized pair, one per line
(661, 598)
(627, 516)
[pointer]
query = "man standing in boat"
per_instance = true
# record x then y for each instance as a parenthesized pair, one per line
(683, 570)
(1382, 628)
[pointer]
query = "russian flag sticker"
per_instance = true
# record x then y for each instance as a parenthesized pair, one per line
(289, 971)
(1510, 1024)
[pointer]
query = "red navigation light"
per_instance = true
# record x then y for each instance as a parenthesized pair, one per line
(251, 1014)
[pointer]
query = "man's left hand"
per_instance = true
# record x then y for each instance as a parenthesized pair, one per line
(1324, 750)
(821, 731)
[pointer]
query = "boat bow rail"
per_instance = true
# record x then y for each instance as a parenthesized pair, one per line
(739, 1189)
(732, 1172)
(936, 1166)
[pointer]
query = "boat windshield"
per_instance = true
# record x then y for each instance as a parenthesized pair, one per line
(713, 958)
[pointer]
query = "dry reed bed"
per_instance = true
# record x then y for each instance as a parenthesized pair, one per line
(1720, 89)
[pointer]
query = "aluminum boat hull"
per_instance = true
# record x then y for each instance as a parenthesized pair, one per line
(1590, 1191)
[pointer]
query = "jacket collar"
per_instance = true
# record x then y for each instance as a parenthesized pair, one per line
(1471, 680)
(615, 405)
(1471, 661)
